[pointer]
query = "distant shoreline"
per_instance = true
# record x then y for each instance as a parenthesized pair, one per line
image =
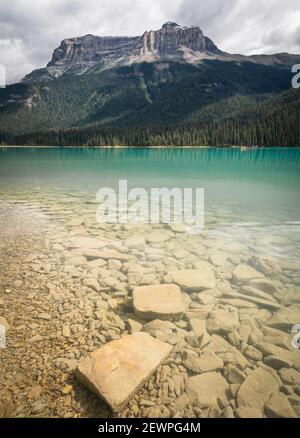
(246, 148)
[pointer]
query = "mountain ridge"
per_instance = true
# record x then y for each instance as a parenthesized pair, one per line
(171, 86)
(170, 43)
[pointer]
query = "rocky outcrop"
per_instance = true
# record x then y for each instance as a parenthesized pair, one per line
(170, 43)
(174, 40)
(91, 49)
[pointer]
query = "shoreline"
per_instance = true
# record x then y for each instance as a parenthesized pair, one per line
(245, 148)
(75, 300)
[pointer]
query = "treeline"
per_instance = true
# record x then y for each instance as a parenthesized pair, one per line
(279, 130)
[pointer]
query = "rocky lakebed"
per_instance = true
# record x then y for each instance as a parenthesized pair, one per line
(142, 320)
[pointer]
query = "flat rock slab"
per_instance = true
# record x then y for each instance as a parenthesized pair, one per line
(205, 363)
(286, 318)
(278, 406)
(207, 388)
(158, 237)
(194, 280)
(4, 323)
(272, 305)
(163, 301)
(118, 370)
(221, 321)
(86, 242)
(245, 273)
(256, 390)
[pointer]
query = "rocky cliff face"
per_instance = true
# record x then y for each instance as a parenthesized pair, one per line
(171, 41)
(91, 49)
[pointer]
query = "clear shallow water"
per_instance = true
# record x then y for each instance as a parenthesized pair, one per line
(251, 211)
(246, 192)
(261, 183)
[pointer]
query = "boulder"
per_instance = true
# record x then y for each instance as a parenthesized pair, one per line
(4, 323)
(218, 259)
(234, 375)
(278, 406)
(178, 228)
(282, 355)
(264, 285)
(118, 370)
(199, 328)
(93, 284)
(163, 301)
(286, 318)
(238, 304)
(207, 388)
(245, 273)
(256, 390)
(226, 352)
(135, 242)
(205, 363)
(85, 242)
(268, 304)
(267, 265)
(277, 362)
(220, 321)
(134, 326)
(290, 376)
(193, 280)
(248, 413)
(202, 265)
(252, 291)
(112, 254)
(153, 327)
(158, 237)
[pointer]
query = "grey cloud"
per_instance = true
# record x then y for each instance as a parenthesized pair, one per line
(31, 29)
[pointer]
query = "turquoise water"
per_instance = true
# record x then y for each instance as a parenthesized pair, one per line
(252, 197)
(261, 184)
(252, 222)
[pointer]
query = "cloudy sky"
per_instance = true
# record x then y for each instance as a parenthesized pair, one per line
(31, 29)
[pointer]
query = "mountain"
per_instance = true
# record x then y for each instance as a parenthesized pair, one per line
(170, 43)
(157, 88)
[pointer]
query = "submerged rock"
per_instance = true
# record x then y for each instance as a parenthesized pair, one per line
(158, 302)
(221, 321)
(205, 363)
(290, 376)
(158, 237)
(118, 370)
(244, 273)
(256, 390)
(278, 406)
(207, 388)
(286, 318)
(4, 323)
(260, 302)
(193, 280)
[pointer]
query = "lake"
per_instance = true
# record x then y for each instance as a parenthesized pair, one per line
(74, 277)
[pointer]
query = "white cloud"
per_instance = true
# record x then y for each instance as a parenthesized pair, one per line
(31, 29)
(247, 26)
